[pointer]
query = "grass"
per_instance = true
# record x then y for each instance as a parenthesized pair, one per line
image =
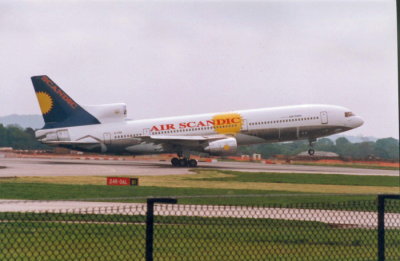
(290, 182)
(347, 165)
(40, 191)
(304, 178)
(182, 238)
(122, 237)
(206, 187)
(28, 236)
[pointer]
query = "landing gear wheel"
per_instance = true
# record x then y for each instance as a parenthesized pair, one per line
(183, 162)
(311, 152)
(192, 163)
(175, 162)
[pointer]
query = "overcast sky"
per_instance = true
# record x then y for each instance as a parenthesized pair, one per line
(183, 57)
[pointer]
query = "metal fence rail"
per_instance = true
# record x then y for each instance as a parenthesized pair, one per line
(168, 231)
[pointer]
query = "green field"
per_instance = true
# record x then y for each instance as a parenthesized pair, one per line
(207, 187)
(122, 237)
(183, 238)
(42, 191)
(304, 178)
(353, 165)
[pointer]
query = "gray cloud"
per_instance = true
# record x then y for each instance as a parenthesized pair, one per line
(172, 58)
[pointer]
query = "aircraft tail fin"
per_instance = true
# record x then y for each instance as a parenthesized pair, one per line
(58, 109)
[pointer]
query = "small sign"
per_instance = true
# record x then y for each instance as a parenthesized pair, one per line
(118, 181)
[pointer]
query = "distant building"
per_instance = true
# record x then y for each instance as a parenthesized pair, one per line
(4, 151)
(256, 156)
(60, 150)
(245, 157)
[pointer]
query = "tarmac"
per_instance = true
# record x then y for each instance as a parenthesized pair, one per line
(19, 167)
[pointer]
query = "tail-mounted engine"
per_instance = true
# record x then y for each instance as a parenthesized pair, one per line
(108, 112)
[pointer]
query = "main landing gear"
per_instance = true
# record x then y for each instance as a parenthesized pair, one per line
(183, 161)
(311, 150)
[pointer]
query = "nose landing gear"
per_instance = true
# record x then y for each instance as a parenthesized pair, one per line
(311, 150)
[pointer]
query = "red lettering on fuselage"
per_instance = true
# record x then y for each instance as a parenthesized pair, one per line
(170, 127)
(221, 122)
(195, 124)
(163, 127)
(154, 128)
(201, 124)
(235, 120)
(191, 124)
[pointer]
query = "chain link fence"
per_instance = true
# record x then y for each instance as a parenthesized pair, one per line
(347, 231)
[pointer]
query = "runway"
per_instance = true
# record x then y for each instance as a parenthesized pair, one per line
(19, 167)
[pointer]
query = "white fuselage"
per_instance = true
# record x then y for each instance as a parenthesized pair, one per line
(194, 132)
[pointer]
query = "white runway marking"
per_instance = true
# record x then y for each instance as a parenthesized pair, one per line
(341, 218)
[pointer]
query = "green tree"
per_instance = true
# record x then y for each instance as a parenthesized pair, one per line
(16, 137)
(387, 148)
(344, 147)
(325, 144)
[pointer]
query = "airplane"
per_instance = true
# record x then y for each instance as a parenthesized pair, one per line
(106, 129)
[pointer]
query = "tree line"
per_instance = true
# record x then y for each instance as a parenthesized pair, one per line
(18, 138)
(386, 149)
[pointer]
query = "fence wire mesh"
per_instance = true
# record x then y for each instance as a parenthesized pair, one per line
(392, 229)
(345, 231)
(91, 234)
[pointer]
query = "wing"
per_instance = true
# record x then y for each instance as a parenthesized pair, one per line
(192, 142)
(70, 143)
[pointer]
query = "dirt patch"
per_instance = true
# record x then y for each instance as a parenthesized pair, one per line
(74, 180)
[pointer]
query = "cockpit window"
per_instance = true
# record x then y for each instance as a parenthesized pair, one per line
(349, 114)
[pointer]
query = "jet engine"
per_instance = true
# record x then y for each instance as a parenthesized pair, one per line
(222, 147)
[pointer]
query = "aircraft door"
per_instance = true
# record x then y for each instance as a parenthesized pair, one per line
(63, 135)
(244, 125)
(107, 138)
(146, 132)
(324, 117)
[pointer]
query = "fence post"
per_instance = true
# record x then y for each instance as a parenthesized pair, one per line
(150, 223)
(381, 227)
(381, 223)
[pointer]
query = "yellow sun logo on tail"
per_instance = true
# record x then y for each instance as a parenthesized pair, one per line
(45, 102)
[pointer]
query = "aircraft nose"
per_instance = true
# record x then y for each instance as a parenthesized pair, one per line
(354, 122)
